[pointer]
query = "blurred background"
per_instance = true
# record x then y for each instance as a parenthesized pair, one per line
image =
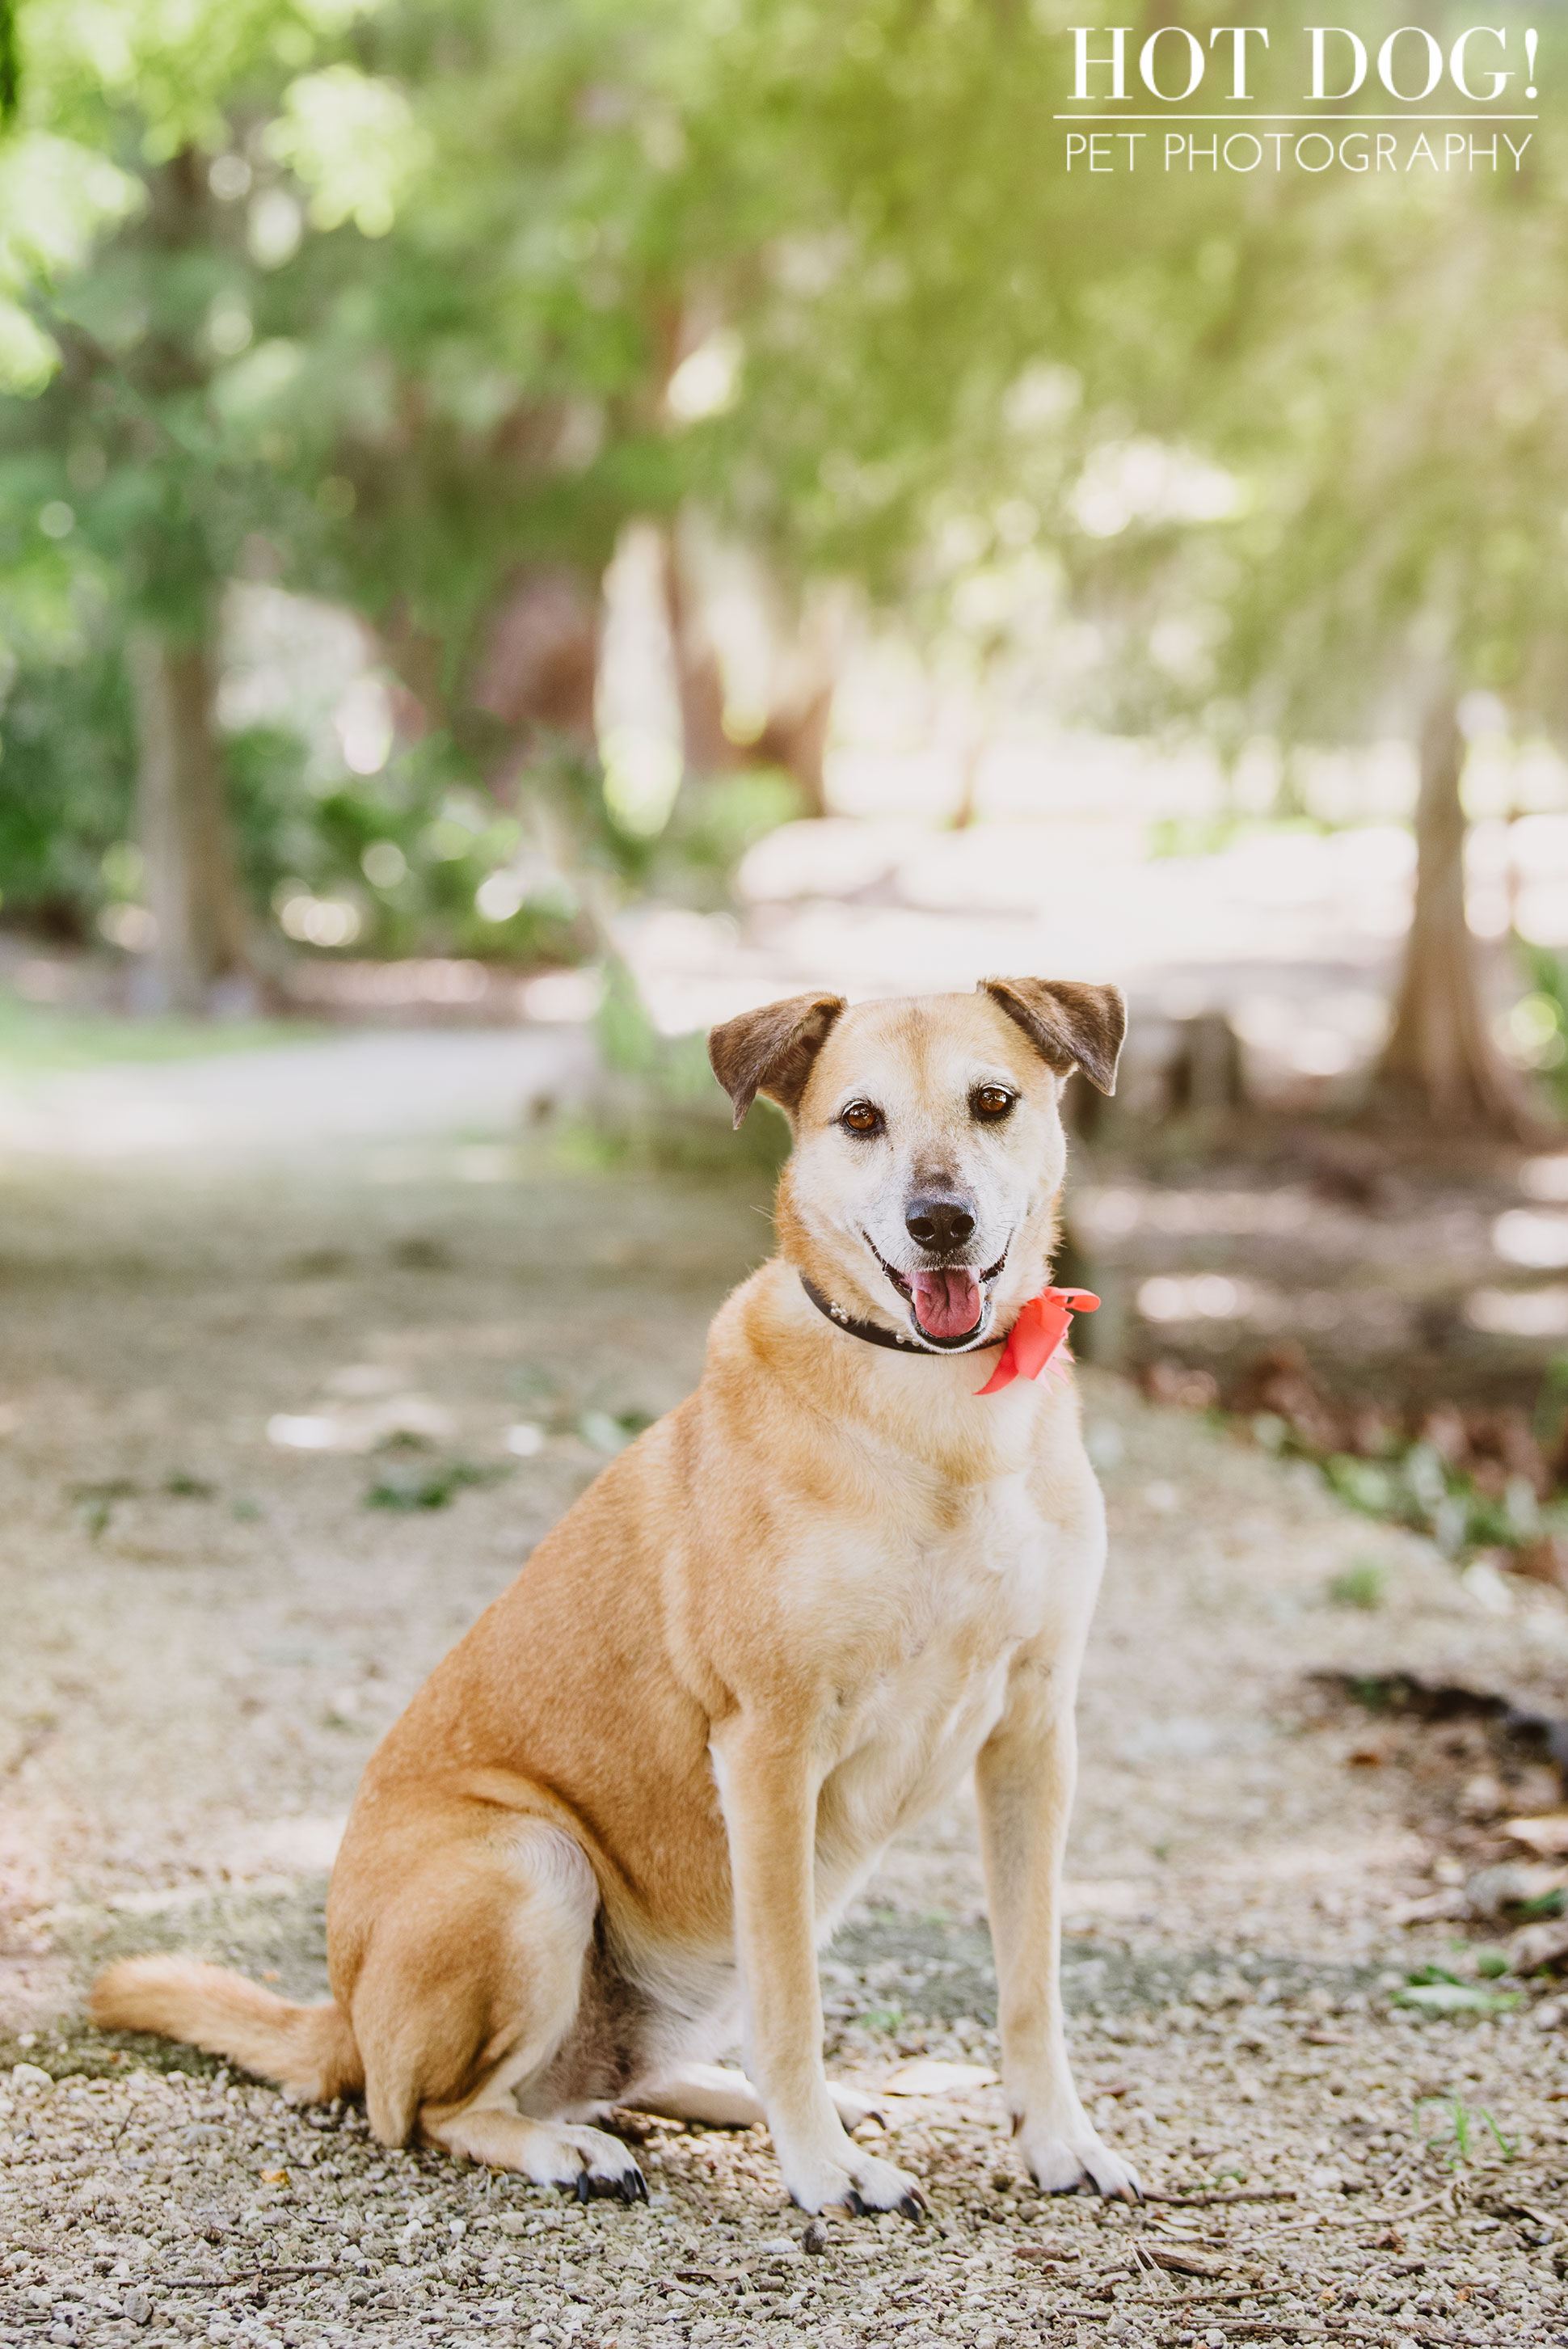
(527, 526)
(525, 530)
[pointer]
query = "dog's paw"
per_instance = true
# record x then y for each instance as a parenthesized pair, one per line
(592, 2164)
(859, 2184)
(853, 2108)
(587, 2162)
(1062, 2160)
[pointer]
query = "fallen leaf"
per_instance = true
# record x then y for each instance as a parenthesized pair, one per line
(1450, 1902)
(928, 2077)
(1547, 1835)
(1544, 1559)
(1188, 2264)
(274, 2177)
(1540, 1946)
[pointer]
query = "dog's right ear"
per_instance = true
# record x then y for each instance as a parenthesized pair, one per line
(770, 1051)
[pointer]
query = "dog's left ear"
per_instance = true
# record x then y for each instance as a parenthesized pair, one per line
(1071, 1024)
(771, 1052)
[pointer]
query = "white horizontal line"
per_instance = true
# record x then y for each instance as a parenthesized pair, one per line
(1243, 120)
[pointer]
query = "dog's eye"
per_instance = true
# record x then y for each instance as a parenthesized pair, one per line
(992, 1101)
(862, 1117)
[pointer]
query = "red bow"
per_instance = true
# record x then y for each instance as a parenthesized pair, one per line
(1036, 1334)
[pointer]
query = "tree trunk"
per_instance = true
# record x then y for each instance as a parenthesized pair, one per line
(539, 659)
(707, 748)
(795, 733)
(795, 738)
(1440, 1061)
(192, 889)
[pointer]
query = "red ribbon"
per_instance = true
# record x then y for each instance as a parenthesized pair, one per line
(1036, 1335)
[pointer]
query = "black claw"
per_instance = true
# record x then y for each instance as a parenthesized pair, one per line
(642, 2187)
(854, 2205)
(1127, 2193)
(914, 2205)
(584, 2186)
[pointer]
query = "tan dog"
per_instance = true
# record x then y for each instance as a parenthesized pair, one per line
(779, 1627)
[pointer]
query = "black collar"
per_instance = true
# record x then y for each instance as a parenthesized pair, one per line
(872, 1331)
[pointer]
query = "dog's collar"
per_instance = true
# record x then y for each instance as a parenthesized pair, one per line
(872, 1331)
(1031, 1345)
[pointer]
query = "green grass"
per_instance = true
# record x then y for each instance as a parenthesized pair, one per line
(1363, 1583)
(38, 1039)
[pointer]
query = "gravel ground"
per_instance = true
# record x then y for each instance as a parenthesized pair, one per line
(208, 1628)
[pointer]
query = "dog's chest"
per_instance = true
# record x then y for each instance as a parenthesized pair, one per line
(967, 1583)
(956, 1602)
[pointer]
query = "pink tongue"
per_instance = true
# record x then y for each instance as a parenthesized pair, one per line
(947, 1304)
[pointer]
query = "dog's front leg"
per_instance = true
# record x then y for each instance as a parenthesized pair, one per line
(768, 1790)
(1023, 1778)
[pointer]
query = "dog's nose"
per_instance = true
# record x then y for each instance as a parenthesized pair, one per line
(937, 1223)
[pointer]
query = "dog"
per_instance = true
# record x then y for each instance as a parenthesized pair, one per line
(782, 1625)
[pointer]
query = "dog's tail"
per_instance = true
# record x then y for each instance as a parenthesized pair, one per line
(309, 2051)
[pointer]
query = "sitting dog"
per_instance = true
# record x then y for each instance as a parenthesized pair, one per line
(782, 1625)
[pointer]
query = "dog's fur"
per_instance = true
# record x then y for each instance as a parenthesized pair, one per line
(780, 1627)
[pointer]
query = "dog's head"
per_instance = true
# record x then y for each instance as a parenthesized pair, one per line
(928, 1141)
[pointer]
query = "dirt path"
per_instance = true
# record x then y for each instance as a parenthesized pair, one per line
(207, 1625)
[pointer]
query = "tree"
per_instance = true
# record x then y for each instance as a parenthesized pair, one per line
(398, 328)
(1440, 1052)
(1402, 549)
(422, 307)
(1293, 449)
(1319, 500)
(124, 456)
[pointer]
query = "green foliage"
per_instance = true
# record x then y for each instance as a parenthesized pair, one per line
(412, 1485)
(10, 72)
(1418, 1488)
(1448, 2121)
(65, 773)
(1363, 1583)
(1539, 1021)
(610, 1431)
(715, 819)
(1450, 1997)
(392, 303)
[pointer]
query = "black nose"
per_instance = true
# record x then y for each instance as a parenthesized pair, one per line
(943, 1224)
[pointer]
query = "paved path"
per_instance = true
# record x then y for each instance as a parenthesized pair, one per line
(355, 1087)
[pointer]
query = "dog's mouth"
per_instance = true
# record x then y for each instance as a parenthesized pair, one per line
(948, 1304)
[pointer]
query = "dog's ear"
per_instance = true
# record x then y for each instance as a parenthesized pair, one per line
(770, 1051)
(1071, 1024)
